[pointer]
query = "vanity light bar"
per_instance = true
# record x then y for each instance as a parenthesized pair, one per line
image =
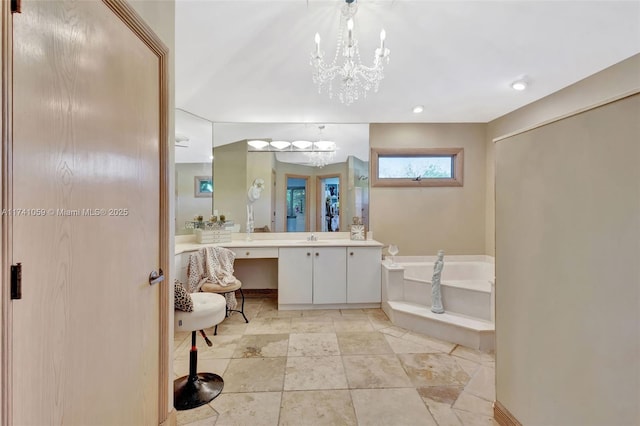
(302, 144)
(258, 144)
(280, 145)
(262, 145)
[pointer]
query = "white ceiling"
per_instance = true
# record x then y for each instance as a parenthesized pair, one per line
(199, 132)
(248, 61)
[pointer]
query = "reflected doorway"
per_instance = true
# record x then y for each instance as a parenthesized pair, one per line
(328, 190)
(273, 200)
(297, 207)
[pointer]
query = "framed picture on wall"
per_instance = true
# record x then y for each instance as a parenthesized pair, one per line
(203, 186)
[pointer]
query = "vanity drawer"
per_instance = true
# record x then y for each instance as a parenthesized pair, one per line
(255, 252)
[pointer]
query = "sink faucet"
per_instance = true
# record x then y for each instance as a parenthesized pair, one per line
(312, 238)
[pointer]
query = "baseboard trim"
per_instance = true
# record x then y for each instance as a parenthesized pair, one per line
(261, 292)
(503, 416)
(172, 419)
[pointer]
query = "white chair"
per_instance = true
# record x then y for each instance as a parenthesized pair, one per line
(199, 270)
(196, 389)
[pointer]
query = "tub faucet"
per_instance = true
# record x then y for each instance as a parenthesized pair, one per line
(312, 238)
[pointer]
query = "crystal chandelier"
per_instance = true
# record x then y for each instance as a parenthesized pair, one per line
(355, 79)
(323, 152)
(320, 157)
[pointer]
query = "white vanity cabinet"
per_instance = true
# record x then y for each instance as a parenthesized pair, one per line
(295, 275)
(363, 274)
(329, 275)
(312, 275)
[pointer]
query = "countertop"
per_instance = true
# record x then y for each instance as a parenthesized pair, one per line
(277, 240)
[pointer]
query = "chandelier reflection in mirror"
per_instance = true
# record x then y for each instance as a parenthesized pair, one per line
(356, 79)
(324, 154)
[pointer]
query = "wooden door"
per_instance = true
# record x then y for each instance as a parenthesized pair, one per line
(88, 205)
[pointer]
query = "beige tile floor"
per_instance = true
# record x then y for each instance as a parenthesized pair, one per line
(336, 367)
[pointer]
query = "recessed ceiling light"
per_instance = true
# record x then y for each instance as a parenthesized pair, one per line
(519, 85)
(258, 144)
(418, 109)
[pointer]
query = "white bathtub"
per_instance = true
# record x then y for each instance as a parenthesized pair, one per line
(476, 271)
(466, 284)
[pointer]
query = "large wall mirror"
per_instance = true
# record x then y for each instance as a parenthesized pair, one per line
(301, 189)
(193, 172)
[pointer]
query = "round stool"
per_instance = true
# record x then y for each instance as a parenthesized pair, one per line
(198, 389)
(223, 290)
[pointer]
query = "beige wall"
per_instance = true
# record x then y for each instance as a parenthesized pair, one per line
(230, 179)
(283, 169)
(355, 188)
(568, 236)
(423, 220)
(187, 204)
(609, 83)
(259, 166)
(490, 196)
(567, 271)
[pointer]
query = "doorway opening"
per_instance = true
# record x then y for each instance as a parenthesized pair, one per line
(328, 203)
(297, 209)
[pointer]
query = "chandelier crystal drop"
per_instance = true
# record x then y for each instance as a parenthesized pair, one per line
(356, 79)
(319, 158)
(322, 152)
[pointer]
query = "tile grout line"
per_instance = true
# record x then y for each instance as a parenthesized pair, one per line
(265, 308)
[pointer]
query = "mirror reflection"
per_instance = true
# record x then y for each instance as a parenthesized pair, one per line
(193, 172)
(304, 189)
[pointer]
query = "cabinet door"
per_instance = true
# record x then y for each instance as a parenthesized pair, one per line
(295, 271)
(329, 275)
(363, 274)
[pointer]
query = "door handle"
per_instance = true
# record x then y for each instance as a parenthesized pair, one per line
(156, 277)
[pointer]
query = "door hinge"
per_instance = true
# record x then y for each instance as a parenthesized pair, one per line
(16, 6)
(16, 281)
